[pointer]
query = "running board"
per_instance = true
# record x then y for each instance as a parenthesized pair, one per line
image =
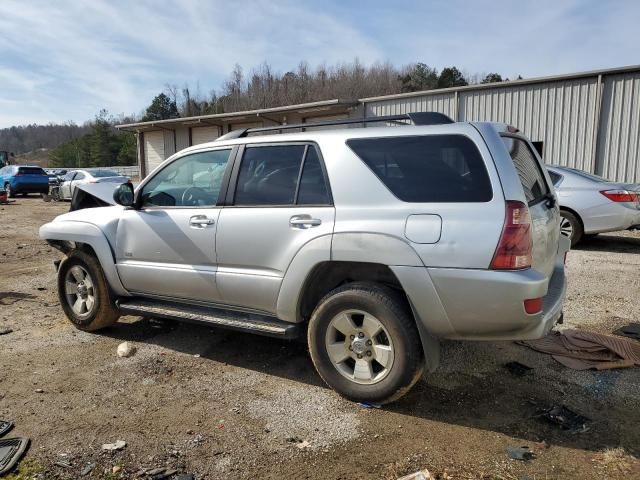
(231, 319)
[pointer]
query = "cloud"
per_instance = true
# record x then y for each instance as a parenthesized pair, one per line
(66, 60)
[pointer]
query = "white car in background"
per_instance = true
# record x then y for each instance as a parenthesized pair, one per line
(590, 204)
(73, 178)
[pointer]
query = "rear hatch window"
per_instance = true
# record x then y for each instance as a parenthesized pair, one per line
(31, 171)
(428, 168)
(531, 176)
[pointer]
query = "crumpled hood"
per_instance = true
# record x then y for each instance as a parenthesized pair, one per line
(96, 216)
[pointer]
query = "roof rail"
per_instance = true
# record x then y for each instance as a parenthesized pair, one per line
(418, 118)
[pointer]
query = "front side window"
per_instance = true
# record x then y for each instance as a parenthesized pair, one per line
(428, 168)
(529, 171)
(191, 181)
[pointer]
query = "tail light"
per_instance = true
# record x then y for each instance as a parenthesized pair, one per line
(515, 245)
(620, 195)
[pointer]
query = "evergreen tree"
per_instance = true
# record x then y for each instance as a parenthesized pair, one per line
(161, 108)
(451, 77)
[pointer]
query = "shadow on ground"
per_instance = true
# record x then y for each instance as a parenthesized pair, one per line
(610, 243)
(495, 401)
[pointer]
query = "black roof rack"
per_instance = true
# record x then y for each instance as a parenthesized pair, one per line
(418, 118)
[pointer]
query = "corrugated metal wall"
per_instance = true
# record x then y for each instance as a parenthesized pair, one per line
(619, 136)
(562, 114)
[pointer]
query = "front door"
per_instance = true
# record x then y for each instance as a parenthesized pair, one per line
(279, 202)
(166, 247)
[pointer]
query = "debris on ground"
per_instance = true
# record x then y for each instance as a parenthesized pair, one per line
(87, 469)
(117, 445)
(5, 330)
(632, 331)
(520, 453)
(38, 390)
(11, 451)
(116, 469)
(5, 426)
(420, 475)
(582, 350)
(566, 418)
(304, 444)
(517, 369)
(369, 405)
(125, 349)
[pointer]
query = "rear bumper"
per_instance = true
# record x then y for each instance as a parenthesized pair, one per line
(28, 187)
(614, 218)
(467, 304)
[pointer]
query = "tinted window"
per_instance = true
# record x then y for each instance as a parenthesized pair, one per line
(555, 178)
(269, 175)
(104, 173)
(430, 168)
(79, 176)
(191, 181)
(31, 171)
(531, 176)
(313, 187)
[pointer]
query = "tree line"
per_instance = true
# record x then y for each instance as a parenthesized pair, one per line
(97, 143)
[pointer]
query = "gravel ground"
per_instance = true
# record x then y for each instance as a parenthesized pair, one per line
(228, 405)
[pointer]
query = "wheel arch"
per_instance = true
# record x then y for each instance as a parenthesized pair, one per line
(67, 236)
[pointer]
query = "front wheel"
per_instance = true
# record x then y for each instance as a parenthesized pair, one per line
(7, 188)
(84, 293)
(364, 343)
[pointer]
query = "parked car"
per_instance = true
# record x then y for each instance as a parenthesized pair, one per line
(375, 242)
(23, 179)
(590, 204)
(76, 177)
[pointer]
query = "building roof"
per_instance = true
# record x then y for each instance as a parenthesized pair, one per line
(324, 107)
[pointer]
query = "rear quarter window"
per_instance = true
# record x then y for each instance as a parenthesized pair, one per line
(427, 168)
(529, 171)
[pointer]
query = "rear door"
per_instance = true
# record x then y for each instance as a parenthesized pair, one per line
(278, 201)
(545, 214)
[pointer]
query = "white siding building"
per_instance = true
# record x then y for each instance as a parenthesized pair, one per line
(589, 120)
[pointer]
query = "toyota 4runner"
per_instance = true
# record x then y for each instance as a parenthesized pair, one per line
(374, 242)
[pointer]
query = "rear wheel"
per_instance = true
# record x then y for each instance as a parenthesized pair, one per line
(364, 343)
(571, 227)
(84, 293)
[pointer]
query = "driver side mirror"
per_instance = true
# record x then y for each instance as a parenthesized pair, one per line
(123, 195)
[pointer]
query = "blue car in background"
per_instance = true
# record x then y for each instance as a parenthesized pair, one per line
(23, 179)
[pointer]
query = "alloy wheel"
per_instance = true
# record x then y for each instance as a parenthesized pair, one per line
(359, 347)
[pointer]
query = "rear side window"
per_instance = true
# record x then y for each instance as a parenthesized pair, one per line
(430, 168)
(531, 176)
(31, 171)
(281, 175)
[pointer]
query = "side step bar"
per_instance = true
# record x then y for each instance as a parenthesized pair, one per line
(234, 320)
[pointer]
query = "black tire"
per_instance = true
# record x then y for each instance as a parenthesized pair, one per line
(577, 229)
(7, 188)
(103, 313)
(392, 311)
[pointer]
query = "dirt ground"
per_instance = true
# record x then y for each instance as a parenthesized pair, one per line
(224, 405)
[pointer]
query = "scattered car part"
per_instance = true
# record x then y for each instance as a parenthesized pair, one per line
(11, 451)
(5, 426)
(565, 418)
(117, 445)
(518, 369)
(520, 453)
(420, 475)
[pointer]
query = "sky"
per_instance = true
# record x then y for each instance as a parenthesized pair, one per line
(65, 60)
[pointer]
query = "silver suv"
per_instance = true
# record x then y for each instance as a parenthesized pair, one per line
(374, 242)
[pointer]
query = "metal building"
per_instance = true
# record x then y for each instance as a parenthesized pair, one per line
(588, 120)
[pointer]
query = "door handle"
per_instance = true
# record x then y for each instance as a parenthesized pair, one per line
(201, 221)
(304, 221)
